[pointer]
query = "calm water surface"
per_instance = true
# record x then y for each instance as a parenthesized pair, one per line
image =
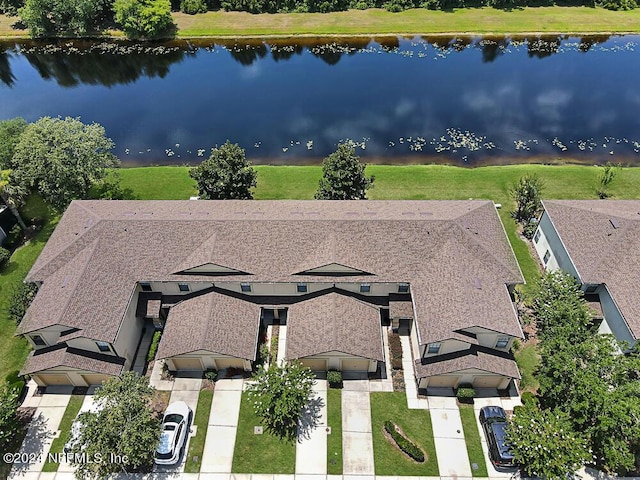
(457, 100)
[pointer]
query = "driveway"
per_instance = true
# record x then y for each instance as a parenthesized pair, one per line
(451, 449)
(311, 444)
(357, 440)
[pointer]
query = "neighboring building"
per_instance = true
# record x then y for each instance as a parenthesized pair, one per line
(598, 242)
(213, 274)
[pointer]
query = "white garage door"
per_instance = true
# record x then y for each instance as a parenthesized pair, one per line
(54, 379)
(487, 381)
(443, 381)
(187, 363)
(94, 378)
(355, 364)
(315, 364)
(229, 363)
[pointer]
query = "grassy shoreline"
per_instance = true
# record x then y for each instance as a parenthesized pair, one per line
(470, 21)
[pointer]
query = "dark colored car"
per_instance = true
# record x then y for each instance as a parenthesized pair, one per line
(494, 423)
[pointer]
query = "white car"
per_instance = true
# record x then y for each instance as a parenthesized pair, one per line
(175, 426)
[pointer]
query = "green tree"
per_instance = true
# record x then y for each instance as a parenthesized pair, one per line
(545, 444)
(145, 19)
(48, 18)
(279, 393)
(12, 195)
(62, 158)
(9, 424)
(343, 176)
(124, 425)
(21, 299)
(605, 177)
(527, 195)
(10, 131)
(225, 175)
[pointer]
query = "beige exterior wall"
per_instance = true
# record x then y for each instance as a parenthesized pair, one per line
(477, 378)
(65, 376)
(209, 360)
(448, 346)
(487, 338)
(334, 360)
(128, 335)
(50, 335)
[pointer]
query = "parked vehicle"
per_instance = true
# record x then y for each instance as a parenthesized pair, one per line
(494, 422)
(175, 426)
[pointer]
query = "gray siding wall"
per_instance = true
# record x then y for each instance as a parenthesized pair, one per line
(549, 240)
(613, 318)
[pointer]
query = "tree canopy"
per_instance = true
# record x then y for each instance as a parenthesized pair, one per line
(9, 424)
(145, 19)
(123, 433)
(527, 193)
(49, 18)
(10, 131)
(343, 176)
(279, 394)
(62, 158)
(225, 175)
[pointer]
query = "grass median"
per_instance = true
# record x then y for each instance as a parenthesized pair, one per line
(334, 441)
(201, 421)
(70, 414)
(472, 439)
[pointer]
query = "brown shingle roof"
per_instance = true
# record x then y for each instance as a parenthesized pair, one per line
(475, 357)
(334, 322)
(212, 322)
(437, 246)
(600, 252)
(62, 356)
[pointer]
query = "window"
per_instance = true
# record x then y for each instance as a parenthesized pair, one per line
(365, 288)
(245, 287)
(403, 288)
(536, 237)
(302, 288)
(433, 348)
(38, 340)
(502, 342)
(146, 287)
(103, 346)
(547, 255)
(183, 287)
(591, 289)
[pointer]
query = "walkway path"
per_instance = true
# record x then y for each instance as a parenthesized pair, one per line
(451, 449)
(411, 389)
(223, 426)
(357, 440)
(311, 446)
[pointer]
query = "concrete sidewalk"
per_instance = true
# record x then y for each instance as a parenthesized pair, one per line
(357, 439)
(311, 445)
(451, 449)
(223, 426)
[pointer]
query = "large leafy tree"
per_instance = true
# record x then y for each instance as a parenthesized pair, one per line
(545, 443)
(279, 393)
(62, 158)
(48, 18)
(343, 176)
(9, 424)
(10, 131)
(225, 175)
(12, 195)
(145, 19)
(123, 434)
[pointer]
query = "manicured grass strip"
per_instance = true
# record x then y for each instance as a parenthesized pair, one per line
(200, 420)
(417, 21)
(472, 439)
(157, 183)
(416, 424)
(15, 349)
(70, 414)
(334, 441)
(264, 453)
(527, 358)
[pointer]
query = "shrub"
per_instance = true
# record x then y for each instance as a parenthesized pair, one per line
(263, 353)
(334, 378)
(5, 255)
(529, 229)
(153, 348)
(211, 374)
(465, 392)
(21, 300)
(406, 445)
(15, 381)
(145, 19)
(15, 237)
(395, 348)
(515, 345)
(529, 398)
(273, 351)
(192, 7)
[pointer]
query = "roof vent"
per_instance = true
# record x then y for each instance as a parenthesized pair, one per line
(88, 223)
(465, 223)
(477, 283)
(65, 281)
(614, 223)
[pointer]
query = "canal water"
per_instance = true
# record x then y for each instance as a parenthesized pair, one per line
(464, 101)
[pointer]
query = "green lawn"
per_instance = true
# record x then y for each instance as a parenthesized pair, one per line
(334, 441)
(263, 453)
(416, 21)
(15, 349)
(70, 414)
(472, 439)
(416, 424)
(201, 420)
(527, 358)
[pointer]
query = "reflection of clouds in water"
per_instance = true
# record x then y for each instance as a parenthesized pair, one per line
(602, 119)
(251, 72)
(404, 107)
(550, 106)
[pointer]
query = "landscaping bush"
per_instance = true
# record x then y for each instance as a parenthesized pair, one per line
(529, 230)
(465, 393)
(395, 348)
(5, 255)
(211, 375)
(15, 381)
(334, 378)
(273, 352)
(529, 398)
(191, 7)
(21, 300)
(153, 348)
(406, 445)
(15, 237)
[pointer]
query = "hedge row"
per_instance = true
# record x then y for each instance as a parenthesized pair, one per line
(395, 348)
(406, 445)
